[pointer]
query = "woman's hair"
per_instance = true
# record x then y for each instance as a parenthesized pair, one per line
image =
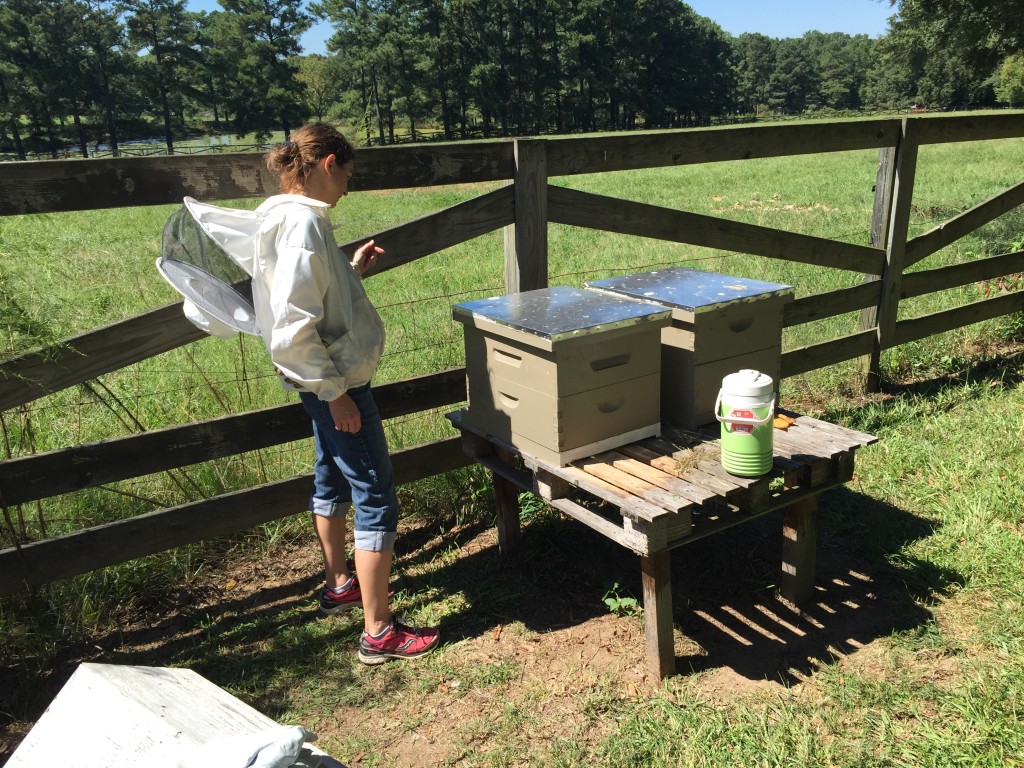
(293, 160)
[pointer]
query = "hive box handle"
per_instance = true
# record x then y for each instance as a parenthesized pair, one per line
(610, 362)
(501, 356)
(611, 406)
(508, 400)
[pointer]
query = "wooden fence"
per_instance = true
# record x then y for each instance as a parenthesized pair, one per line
(524, 208)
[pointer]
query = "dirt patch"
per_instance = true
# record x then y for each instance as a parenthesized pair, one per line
(531, 652)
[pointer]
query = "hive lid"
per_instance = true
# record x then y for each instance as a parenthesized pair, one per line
(690, 289)
(561, 312)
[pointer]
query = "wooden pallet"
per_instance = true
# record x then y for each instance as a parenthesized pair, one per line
(672, 490)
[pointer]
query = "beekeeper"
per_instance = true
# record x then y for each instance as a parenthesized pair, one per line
(325, 340)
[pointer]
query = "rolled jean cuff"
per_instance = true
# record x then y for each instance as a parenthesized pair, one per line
(325, 508)
(375, 541)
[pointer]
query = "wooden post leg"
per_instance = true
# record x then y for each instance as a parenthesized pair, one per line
(799, 543)
(506, 505)
(657, 583)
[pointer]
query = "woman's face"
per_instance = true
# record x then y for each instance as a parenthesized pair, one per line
(328, 182)
(340, 174)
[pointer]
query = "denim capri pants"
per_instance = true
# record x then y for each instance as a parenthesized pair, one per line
(354, 468)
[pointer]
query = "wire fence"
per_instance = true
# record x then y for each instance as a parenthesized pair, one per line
(147, 388)
(134, 403)
(224, 143)
(142, 149)
(130, 397)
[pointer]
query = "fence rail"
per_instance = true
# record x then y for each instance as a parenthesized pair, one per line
(524, 208)
(41, 562)
(43, 475)
(583, 209)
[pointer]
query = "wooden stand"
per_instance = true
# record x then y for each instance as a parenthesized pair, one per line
(672, 491)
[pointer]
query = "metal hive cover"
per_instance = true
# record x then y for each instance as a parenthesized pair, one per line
(560, 312)
(690, 289)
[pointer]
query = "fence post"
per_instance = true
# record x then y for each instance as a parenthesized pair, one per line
(894, 189)
(526, 241)
(867, 366)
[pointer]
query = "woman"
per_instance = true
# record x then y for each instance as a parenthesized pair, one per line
(325, 340)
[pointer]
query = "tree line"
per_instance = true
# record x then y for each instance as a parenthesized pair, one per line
(91, 71)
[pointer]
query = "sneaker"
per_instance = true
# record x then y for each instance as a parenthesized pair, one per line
(399, 641)
(336, 602)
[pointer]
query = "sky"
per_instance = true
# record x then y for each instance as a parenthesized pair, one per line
(791, 18)
(775, 18)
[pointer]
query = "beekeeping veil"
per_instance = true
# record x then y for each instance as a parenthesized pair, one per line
(208, 257)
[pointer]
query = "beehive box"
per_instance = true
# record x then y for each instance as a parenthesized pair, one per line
(562, 373)
(720, 324)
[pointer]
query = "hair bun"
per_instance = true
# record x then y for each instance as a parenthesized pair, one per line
(295, 158)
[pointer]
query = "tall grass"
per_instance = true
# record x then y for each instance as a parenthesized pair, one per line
(63, 274)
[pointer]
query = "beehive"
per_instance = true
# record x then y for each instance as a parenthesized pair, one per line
(720, 324)
(562, 373)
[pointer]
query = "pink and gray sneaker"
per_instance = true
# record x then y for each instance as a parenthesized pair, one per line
(336, 602)
(398, 641)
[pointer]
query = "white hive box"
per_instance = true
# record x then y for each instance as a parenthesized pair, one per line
(114, 716)
(562, 373)
(720, 324)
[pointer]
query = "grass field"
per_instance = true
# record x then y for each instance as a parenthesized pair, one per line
(912, 658)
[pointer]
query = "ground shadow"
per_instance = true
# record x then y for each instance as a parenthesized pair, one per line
(727, 612)
(725, 593)
(727, 601)
(1001, 369)
(725, 587)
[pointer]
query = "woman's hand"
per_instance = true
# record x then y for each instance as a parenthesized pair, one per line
(345, 414)
(366, 256)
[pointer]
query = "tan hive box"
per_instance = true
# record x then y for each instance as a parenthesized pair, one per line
(562, 373)
(720, 324)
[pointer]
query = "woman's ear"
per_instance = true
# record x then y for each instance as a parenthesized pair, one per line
(328, 163)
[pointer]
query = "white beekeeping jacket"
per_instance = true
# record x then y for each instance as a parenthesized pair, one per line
(320, 329)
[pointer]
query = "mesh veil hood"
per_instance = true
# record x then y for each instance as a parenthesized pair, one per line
(210, 253)
(234, 231)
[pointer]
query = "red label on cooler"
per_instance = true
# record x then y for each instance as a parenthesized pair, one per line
(739, 413)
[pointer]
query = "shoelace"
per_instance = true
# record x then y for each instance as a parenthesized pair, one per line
(397, 626)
